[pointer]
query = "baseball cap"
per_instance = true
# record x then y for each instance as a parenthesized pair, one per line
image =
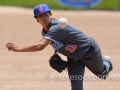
(40, 9)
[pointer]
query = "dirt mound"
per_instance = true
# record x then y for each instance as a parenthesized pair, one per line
(31, 71)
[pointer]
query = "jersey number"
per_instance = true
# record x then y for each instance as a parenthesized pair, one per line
(71, 48)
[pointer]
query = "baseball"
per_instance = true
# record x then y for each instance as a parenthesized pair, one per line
(62, 22)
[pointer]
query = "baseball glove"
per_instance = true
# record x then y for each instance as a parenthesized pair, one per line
(57, 63)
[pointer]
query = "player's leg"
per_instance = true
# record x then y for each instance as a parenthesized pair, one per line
(76, 73)
(98, 65)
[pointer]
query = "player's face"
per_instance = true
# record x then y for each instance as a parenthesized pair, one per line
(44, 18)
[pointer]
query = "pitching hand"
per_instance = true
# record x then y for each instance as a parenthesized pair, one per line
(12, 47)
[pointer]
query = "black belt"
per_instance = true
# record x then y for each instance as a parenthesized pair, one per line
(89, 50)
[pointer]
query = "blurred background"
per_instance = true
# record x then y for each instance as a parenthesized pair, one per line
(67, 4)
(99, 19)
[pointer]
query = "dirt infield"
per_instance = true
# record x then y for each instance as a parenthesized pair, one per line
(31, 71)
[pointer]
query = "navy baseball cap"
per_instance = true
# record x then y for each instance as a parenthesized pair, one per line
(40, 9)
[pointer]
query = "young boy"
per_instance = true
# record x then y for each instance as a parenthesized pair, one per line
(80, 49)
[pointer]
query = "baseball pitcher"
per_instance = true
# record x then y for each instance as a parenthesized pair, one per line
(80, 49)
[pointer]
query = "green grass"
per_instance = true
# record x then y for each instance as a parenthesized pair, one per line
(108, 5)
(105, 5)
(31, 3)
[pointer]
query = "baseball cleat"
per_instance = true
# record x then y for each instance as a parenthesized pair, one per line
(107, 58)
